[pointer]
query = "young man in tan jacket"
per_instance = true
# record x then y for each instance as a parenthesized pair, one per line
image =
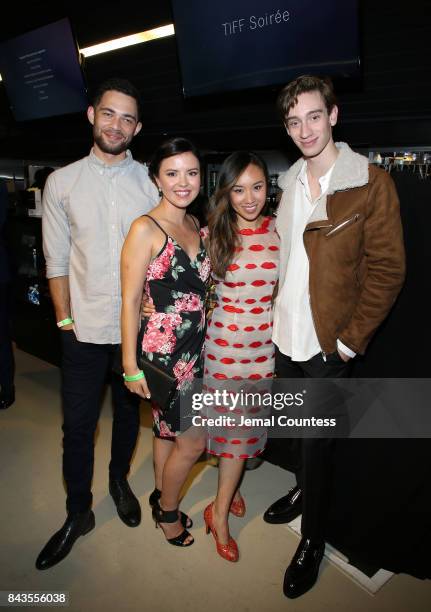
(341, 269)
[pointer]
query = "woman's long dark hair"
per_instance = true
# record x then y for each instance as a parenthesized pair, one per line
(222, 219)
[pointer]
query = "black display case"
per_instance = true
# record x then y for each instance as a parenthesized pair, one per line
(33, 317)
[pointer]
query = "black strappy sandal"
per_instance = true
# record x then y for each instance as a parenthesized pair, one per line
(170, 516)
(154, 498)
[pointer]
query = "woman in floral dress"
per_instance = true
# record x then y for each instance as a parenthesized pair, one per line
(164, 254)
(244, 251)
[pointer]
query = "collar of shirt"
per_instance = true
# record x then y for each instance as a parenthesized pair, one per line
(102, 167)
(323, 181)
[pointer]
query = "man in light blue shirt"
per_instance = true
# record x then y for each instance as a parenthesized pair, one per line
(88, 207)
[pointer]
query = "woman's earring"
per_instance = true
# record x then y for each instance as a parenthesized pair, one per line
(160, 193)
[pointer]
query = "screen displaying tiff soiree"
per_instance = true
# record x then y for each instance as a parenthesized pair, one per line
(229, 45)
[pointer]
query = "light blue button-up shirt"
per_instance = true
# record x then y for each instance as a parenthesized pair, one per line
(88, 207)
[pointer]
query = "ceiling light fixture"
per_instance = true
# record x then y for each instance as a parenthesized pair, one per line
(128, 41)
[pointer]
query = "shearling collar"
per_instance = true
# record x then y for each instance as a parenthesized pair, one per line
(350, 170)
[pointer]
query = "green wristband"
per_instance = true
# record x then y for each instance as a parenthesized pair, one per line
(137, 376)
(64, 322)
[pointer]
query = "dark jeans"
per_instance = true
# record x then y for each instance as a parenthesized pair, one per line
(6, 353)
(85, 368)
(312, 457)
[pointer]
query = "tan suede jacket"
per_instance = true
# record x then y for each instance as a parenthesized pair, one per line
(354, 243)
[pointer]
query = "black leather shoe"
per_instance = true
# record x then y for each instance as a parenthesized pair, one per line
(128, 507)
(286, 508)
(7, 398)
(304, 568)
(61, 543)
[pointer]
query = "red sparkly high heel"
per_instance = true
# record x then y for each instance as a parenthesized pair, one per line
(237, 507)
(228, 551)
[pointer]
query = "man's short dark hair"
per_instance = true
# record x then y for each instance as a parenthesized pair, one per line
(116, 84)
(288, 96)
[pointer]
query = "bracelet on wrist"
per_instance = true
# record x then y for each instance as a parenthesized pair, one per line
(67, 321)
(134, 377)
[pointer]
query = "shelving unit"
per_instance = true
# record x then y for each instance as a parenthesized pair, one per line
(414, 159)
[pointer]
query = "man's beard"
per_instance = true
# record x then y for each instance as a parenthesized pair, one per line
(114, 149)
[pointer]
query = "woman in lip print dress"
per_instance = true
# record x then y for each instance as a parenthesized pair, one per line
(164, 254)
(244, 252)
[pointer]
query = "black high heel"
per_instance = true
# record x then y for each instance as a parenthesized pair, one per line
(154, 498)
(170, 516)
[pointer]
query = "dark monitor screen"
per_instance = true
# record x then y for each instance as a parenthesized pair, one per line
(225, 45)
(42, 73)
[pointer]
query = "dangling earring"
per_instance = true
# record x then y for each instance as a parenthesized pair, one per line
(160, 193)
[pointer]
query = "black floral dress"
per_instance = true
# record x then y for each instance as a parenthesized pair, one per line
(174, 335)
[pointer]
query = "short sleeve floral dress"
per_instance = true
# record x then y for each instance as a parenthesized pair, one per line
(174, 335)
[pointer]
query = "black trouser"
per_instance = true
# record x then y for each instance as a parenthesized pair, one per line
(312, 457)
(6, 352)
(85, 369)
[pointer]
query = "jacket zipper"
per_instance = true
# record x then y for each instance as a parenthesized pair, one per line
(343, 224)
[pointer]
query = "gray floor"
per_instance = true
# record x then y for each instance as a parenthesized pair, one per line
(117, 568)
